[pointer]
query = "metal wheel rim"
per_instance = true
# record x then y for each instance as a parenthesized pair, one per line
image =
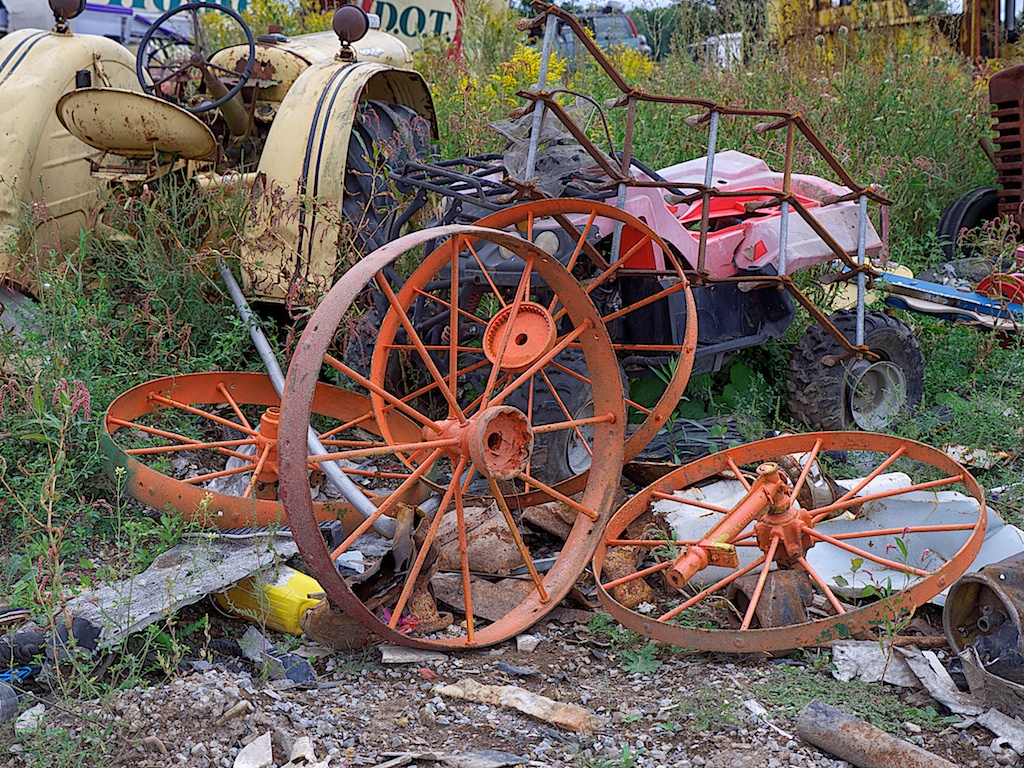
(197, 504)
(305, 370)
(878, 392)
(813, 632)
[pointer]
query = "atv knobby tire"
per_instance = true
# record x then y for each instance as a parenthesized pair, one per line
(841, 396)
(969, 211)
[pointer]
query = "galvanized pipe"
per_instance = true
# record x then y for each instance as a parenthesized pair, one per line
(384, 525)
(862, 225)
(709, 177)
(539, 109)
(627, 160)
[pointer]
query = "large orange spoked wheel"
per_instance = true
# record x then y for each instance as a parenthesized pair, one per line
(204, 446)
(635, 294)
(476, 429)
(718, 556)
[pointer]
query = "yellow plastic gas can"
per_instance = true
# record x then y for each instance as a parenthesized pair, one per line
(274, 599)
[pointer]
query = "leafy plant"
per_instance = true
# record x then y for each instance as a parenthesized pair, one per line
(642, 661)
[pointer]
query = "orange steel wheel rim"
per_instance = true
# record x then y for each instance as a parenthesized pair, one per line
(210, 418)
(461, 437)
(771, 556)
(576, 222)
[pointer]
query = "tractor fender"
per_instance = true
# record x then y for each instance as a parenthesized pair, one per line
(39, 160)
(297, 195)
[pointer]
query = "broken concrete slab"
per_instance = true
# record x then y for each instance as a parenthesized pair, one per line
(399, 654)
(179, 577)
(870, 661)
(568, 716)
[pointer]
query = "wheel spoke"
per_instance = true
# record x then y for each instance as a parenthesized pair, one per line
(234, 406)
(711, 590)
(811, 457)
(189, 446)
(453, 332)
(739, 475)
(692, 502)
(467, 592)
(260, 463)
(769, 558)
(664, 293)
(612, 269)
(823, 512)
(524, 553)
(361, 380)
(864, 553)
(557, 495)
(368, 416)
(387, 505)
(904, 531)
(487, 275)
(575, 427)
(872, 475)
(573, 423)
(447, 304)
(379, 450)
(821, 585)
(421, 556)
(154, 397)
(214, 475)
(428, 361)
(654, 543)
(658, 568)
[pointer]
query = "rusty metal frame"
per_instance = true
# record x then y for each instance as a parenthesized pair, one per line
(709, 111)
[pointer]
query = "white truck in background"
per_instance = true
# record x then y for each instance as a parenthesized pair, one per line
(125, 21)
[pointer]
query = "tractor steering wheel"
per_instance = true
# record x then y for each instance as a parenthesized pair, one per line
(170, 70)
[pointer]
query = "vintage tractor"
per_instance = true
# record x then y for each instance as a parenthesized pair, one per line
(303, 119)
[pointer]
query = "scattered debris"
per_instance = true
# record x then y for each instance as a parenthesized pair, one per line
(400, 654)
(860, 743)
(154, 744)
(258, 753)
(303, 756)
(492, 600)
(237, 710)
(936, 680)
(568, 716)
(994, 691)
(30, 720)
(276, 600)
(871, 662)
(511, 669)
(256, 648)
(491, 548)
(178, 577)
(976, 458)
(1008, 730)
(528, 643)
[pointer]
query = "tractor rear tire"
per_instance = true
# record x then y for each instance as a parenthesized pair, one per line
(970, 210)
(851, 394)
(384, 138)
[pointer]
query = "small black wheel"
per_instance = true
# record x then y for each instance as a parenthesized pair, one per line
(384, 138)
(175, 73)
(856, 394)
(970, 210)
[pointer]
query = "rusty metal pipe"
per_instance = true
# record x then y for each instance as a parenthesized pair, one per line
(859, 743)
(233, 110)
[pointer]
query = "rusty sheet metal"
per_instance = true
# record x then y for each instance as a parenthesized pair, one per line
(484, 437)
(921, 585)
(192, 501)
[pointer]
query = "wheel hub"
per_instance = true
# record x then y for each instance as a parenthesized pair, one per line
(878, 392)
(531, 335)
(499, 440)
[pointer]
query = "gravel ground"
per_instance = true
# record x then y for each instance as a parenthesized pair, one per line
(689, 712)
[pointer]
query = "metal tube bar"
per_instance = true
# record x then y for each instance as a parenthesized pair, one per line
(385, 526)
(709, 177)
(862, 223)
(539, 109)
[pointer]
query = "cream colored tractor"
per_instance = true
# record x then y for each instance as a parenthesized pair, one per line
(306, 122)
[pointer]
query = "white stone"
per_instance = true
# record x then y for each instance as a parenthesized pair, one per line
(258, 753)
(30, 719)
(527, 643)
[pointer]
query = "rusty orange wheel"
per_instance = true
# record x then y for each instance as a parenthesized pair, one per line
(464, 377)
(759, 548)
(205, 447)
(643, 289)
